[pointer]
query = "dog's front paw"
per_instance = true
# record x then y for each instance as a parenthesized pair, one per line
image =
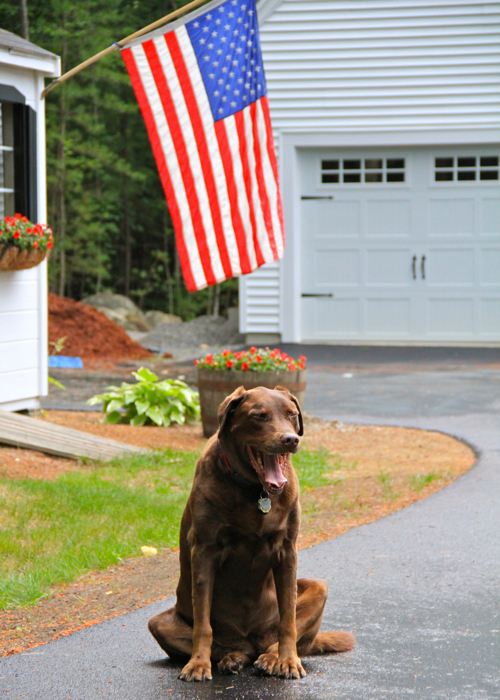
(289, 668)
(196, 670)
(271, 664)
(266, 663)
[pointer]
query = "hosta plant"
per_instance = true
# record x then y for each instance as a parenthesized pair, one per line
(149, 402)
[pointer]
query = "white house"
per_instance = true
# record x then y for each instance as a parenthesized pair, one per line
(387, 124)
(23, 294)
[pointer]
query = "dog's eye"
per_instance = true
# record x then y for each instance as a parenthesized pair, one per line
(293, 415)
(261, 416)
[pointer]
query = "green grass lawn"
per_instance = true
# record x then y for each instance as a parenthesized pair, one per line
(53, 531)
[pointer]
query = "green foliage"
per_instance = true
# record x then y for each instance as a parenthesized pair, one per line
(149, 402)
(53, 531)
(105, 200)
(420, 481)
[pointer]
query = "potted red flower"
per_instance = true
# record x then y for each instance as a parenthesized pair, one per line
(220, 374)
(23, 244)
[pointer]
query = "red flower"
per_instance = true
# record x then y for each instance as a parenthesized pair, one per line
(291, 367)
(28, 230)
(302, 358)
(35, 244)
(229, 364)
(284, 356)
(17, 234)
(301, 365)
(238, 355)
(18, 216)
(226, 353)
(209, 359)
(49, 244)
(196, 362)
(258, 358)
(253, 350)
(272, 354)
(244, 366)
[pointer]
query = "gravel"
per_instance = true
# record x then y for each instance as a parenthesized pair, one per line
(204, 331)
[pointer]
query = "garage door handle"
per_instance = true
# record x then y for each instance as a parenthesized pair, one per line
(414, 267)
(422, 267)
(317, 295)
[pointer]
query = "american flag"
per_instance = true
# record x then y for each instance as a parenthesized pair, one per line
(201, 88)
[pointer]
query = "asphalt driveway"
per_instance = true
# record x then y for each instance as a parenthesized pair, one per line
(420, 587)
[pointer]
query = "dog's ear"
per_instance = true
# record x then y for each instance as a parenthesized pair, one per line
(229, 406)
(292, 398)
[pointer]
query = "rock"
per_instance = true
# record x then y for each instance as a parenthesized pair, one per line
(121, 310)
(111, 301)
(154, 318)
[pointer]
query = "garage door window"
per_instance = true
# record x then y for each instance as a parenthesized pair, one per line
(466, 168)
(352, 171)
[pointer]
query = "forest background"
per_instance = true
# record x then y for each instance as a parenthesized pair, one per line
(105, 200)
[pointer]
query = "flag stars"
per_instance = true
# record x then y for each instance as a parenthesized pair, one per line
(216, 93)
(214, 34)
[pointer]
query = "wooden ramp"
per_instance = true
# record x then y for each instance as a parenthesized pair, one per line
(32, 434)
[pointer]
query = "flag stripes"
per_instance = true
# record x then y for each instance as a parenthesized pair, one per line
(220, 177)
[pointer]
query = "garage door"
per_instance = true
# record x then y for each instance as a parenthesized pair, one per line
(401, 244)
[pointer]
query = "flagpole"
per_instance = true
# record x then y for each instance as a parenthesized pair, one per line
(121, 44)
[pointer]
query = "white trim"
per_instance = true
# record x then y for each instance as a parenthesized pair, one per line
(50, 67)
(265, 9)
(22, 405)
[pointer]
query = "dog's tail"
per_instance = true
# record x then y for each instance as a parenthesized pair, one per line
(328, 642)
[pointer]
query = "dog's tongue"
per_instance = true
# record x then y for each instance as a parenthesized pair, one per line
(272, 471)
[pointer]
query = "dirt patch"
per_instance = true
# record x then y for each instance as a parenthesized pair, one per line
(90, 334)
(97, 596)
(375, 472)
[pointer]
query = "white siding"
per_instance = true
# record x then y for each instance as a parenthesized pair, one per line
(20, 370)
(261, 300)
(23, 294)
(393, 64)
(366, 66)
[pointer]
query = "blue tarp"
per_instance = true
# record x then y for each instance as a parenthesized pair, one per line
(64, 361)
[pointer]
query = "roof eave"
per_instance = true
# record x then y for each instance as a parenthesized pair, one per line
(49, 65)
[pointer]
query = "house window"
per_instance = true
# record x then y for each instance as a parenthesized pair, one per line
(349, 171)
(466, 168)
(6, 160)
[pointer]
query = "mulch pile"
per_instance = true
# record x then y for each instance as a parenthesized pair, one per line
(90, 334)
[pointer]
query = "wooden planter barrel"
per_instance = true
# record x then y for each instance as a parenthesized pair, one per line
(215, 385)
(13, 258)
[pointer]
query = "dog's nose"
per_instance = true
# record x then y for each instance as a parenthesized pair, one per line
(290, 440)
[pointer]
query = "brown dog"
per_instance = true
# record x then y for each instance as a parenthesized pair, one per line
(238, 598)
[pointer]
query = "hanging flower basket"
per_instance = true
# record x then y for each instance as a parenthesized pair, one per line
(219, 375)
(22, 244)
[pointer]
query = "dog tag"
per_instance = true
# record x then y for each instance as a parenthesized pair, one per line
(264, 502)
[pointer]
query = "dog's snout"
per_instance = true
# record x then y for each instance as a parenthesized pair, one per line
(290, 440)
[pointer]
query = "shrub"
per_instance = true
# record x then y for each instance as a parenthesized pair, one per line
(149, 401)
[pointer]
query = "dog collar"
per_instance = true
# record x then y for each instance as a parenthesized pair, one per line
(264, 503)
